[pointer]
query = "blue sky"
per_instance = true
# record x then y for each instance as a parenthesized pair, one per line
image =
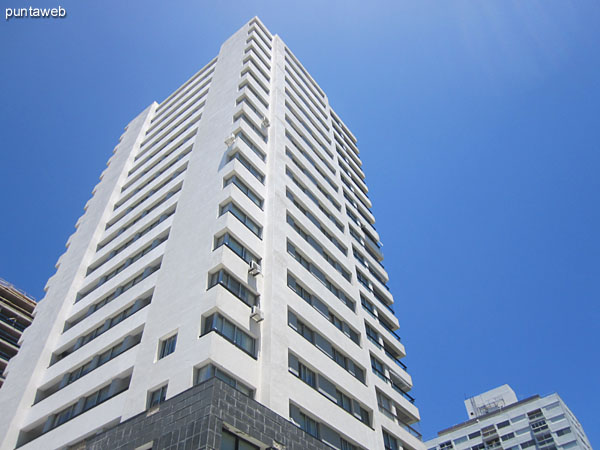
(478, 124)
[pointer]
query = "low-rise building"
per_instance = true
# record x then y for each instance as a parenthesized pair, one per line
(499, 421)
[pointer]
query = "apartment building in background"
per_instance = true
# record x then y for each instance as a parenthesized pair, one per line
(499, 421)
(16, 314)
(224, 287)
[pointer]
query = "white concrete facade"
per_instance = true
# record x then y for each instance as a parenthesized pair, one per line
(500, 421)
(299, 312)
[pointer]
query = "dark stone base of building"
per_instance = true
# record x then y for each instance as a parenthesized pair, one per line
(195, 420)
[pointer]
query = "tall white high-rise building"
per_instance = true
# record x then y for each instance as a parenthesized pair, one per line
(230, 237)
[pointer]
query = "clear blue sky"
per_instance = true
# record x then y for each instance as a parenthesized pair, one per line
(478, 124)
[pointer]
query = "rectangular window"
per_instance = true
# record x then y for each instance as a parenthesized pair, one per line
(316, 222)
(242, 217)
(385, 405)
(231, 332)
(248, 141)
(307, 375)
(107, 325)
(248, 165)
(234, 179)
(234, 286)
(326, 347)
(210, 371)
(314, 199)
(373, 336)
(230, 441)
(309, 425)
(318, 247)
(228, 240)
(508, 436)
(503, 424)
(315, 271)
(320, 306)
(157, 396)
(167, 346)
(90, 401)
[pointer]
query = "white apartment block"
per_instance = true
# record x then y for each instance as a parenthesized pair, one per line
(230, 236)
(500, 421)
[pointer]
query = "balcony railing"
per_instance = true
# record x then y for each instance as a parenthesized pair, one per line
(12, 322)
(7, 337)
(395, 358)
(397, 388)
(397, 419)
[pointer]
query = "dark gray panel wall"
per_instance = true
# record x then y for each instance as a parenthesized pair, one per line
(194, 420)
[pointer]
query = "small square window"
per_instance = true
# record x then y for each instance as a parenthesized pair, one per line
(167, 346)
(157, 396)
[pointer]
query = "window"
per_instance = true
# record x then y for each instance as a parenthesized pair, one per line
(89, 402)
(544, 439)
(229, 241)
(312, 178)
(488, 431)
(326, 347)
(231, 332)
(242, 217)
(536, 414)
(210, 371)
(167, 346)
(328, 389)
(246, 139)
(234, 286)
(528, 444)
(96, 398)
(309, 425)
(378, 368)
(539, 425)
(230, 441)
(320, 306)
(368, 306)
(503, 424)
(563, 431)
(306, 332)
(385, 405)
(319, 275)
(107, 325)
(234, 179)
(316, 222)
(390, 442)
(157, 396)
(343, 400)
(345, 445)
(307, 375)
(508, 436)
(244, 162)
(314, 199)
(318, 247)
(373, 336)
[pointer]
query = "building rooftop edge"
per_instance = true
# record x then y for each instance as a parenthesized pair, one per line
(19, 292)
(486, 416)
